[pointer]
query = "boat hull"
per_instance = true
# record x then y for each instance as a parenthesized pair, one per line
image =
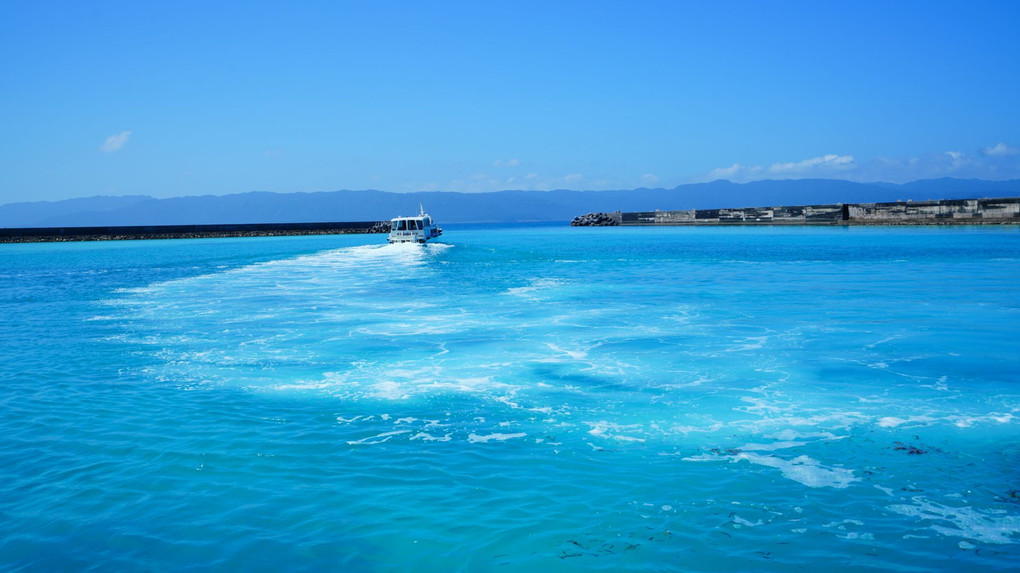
(419, 229)
(412, 237)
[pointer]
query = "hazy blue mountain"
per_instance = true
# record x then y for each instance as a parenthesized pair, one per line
(496, 207)
(26, 214)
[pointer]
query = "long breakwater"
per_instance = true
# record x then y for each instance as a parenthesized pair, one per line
(943, 212)
(114, 233)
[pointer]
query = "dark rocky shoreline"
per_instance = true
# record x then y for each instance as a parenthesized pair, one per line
(596, 220)
(150, 232)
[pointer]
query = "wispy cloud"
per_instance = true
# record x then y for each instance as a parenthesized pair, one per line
(996, 162)
(999, 150)
(926, 166)
(830, 162)
(821, 166)
(115, 142)
(482, 182)
(1000, 161)
(735, 172)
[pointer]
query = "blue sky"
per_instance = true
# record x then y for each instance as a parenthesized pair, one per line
(193, 98)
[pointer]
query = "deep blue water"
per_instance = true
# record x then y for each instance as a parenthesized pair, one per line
(515, 399)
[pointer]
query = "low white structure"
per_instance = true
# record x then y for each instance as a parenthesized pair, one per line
(417, 229)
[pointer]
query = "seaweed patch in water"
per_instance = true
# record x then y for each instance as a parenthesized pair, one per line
(909, 448)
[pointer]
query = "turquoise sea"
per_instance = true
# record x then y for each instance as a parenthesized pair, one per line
(514, 399)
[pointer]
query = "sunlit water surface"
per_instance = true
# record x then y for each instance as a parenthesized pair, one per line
(515, 399)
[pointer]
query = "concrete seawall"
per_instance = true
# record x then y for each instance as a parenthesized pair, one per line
(59, 234)
(945, 212)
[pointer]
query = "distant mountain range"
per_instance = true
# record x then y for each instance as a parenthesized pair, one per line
(495, 207)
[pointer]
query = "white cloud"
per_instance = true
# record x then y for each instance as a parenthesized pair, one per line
(997, 162)
(724, 172)
(506, 162)
(999, 150)
(115, 142)
(480, 182)
(820, 167)
(649, 179)
(735, 172)
(926, 166)
(961, 161)
(815, 164)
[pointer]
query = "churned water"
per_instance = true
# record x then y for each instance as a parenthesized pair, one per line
(515, 399)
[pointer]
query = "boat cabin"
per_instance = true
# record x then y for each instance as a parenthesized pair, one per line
(417, 229)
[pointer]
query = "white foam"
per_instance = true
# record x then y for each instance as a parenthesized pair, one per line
(478, 439)
(530, 292)
(395, 384)
(698, 458)
(430, 438)
(711, 428)
(843, 524)
(804, 470)
(467, 384)
(740, 521)
(377, 439)
(883, 341)
(993, 526)
(575, 354)
(885, 490)
(760, 406)
(892, 421)
(968, 421)
(398, 329)
(831, 421)
(790, 434)
(749, 343)
(609, 430)
(789, 439)
(771, 447)
(389, 390)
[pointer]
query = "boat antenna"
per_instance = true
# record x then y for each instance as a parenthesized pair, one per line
(421, 209)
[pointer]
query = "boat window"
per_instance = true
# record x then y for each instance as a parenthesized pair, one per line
(401, 225)
(415, 224)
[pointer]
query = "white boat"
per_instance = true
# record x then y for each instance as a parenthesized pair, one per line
(417, 229)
